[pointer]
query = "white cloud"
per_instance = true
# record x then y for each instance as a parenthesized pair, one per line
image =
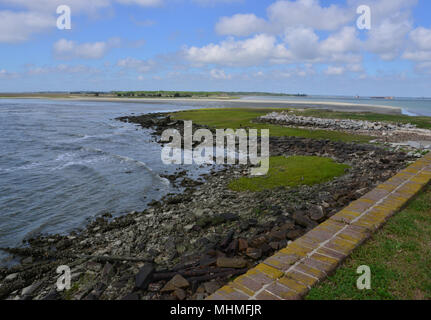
(19, 26)
(60, 68)
(345, 40)
(387, 39)
(219, 74)
(28, 17)
(334, 71)
(308, 13)
(301, 45)
(299, 20)
(240, 25)
(4, 74)
(288, 14)
(76, 5)
(248, 52)
(145, 3)
(68, 49)
(421, 37)
(214, 2)
(50, 6)
(419, 49)
(142, 66)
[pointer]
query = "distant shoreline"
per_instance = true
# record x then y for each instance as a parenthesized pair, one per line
(222, 102)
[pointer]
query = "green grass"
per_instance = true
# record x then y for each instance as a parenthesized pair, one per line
(399, 256)
(291, 172)
(235, 118)
(421, 122)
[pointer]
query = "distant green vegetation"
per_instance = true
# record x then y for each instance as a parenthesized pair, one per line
(291, 172)
(235, 118)
(421, 122)
(399, 256)
(194, 94)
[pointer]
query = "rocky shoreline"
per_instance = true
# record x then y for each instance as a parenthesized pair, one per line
(186, 246)
(384, 132)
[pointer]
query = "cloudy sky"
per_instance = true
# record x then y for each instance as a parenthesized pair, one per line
(292, 46)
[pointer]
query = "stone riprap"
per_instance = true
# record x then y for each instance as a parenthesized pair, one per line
(288, 118)
(292, 271)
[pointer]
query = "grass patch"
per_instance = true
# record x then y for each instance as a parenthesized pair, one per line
(399, 256)
(291, 172)
(235, 118)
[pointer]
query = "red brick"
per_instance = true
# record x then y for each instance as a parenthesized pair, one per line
(266, 295)
(283, 292)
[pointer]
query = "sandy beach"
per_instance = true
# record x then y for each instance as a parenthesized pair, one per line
(220, 102)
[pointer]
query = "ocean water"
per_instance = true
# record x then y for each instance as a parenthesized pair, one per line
(64, 162)
(409, 106)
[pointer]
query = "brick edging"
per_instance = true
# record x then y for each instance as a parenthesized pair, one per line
(291, 272)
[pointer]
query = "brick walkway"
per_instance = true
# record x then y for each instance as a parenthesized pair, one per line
(291, 272)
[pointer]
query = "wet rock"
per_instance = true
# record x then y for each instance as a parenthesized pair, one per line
(274, 245)
(207, 261)
(282, 244)
(28, 260)
(227, 239)
(180, 294)
(108, 270)
(317, 213)
(294, 234)
(11, 277)
(254, 253)
(242, 244)
(211, 287)
(177, 282)
(302, 220)
(189, 227)
(131, 296)
(236, 263)
(287, 226)
(258, 241)
(199, 213)
(244, 226)
(94, 266)
(278, 235)
(252, 222)
(144, 276)
(266, 249)
(52, 295)
(232, 249)
(229, 217)
(28, 291)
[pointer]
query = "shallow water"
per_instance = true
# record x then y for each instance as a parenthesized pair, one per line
(63, 162)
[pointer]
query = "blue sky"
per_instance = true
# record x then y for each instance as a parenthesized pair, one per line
(291, 46)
